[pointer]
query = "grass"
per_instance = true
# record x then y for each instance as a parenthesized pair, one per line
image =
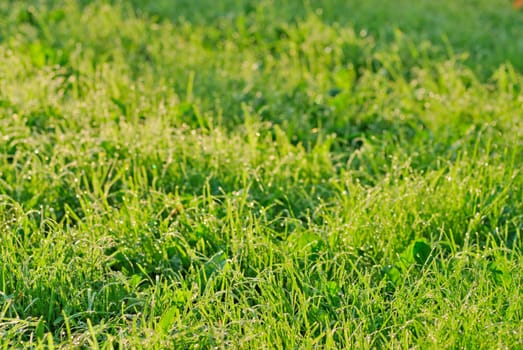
(260, 174)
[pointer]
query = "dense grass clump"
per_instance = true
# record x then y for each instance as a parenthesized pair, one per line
(261, 174)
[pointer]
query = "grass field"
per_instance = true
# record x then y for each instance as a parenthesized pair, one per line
(261, 174)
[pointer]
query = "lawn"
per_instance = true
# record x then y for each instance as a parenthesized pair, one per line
(290, 174)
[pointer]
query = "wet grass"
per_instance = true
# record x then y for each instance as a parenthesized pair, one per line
(258, 175)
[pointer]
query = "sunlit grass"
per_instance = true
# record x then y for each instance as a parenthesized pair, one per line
(182, 174)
